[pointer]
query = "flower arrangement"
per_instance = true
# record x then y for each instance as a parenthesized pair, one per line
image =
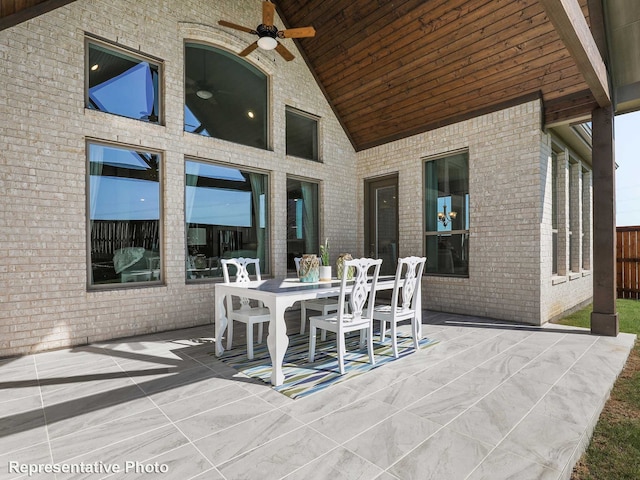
(324, 253)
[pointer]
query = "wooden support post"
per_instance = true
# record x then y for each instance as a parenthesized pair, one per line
(604, 318)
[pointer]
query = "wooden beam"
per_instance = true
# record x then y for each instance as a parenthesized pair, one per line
(569, 21)
(604, 318)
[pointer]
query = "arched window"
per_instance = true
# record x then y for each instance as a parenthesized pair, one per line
(225, 96)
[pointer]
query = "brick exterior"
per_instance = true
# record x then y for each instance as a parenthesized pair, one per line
(510, 244)
(43, 279)
(44, 300)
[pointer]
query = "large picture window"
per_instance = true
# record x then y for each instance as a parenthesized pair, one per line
(121, 83)
(226, 217)
(302, 219)
(447, 215)
(225, 96)
(124, 215)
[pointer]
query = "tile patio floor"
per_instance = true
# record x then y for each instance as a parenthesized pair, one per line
(491, 400)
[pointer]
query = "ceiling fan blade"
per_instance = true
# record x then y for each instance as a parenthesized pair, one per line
(237, 27)
(297, 32)
(249, 49)
(268, 10)
(286, 54)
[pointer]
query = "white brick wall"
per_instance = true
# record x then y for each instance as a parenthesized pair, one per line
(567, 290)
(510, 215)
(44, 301)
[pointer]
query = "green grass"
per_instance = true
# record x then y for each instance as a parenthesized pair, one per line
(614, 451)
(628, 317)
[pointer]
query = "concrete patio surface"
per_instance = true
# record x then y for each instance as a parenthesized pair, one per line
(492, 400)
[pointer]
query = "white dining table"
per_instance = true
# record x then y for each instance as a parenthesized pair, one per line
(278, 294)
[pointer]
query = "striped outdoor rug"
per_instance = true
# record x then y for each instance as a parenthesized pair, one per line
(303, 378)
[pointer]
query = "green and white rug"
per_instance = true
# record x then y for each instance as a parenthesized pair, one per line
(302, 377)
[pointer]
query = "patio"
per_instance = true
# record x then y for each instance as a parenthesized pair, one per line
(490, 400)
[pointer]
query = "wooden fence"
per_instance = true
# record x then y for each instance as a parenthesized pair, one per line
(628, 262)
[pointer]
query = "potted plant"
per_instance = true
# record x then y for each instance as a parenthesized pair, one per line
(325, 266)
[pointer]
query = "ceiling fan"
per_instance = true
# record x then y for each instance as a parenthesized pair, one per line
(198, 78)
(268, 33)
(203, 90)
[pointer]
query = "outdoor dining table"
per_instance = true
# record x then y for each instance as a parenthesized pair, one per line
(278, 294)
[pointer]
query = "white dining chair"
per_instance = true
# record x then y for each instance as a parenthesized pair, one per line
(403, 301)
(360, 296)
(246, 314)
(323, 305)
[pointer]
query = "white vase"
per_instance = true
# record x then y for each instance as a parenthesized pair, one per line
(325, 273)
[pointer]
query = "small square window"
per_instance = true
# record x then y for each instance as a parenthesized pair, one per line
(302, 135)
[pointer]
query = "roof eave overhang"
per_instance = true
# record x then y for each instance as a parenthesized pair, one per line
(571, 25)
(27, 13)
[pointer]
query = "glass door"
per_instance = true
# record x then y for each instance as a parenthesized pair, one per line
(381, 221)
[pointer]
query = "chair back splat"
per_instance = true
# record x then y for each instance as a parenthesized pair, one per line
(242, 273)
(410, 282)
(361, 291)
(242, 268)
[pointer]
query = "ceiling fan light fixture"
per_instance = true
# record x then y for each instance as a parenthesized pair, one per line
(204, 94)
(267, 43)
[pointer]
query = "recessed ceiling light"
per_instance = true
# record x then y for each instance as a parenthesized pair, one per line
(250, 114)
(95, 67)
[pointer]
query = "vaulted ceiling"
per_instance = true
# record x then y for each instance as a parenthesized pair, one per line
(391, 69)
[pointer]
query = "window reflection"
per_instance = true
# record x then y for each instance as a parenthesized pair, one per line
(226, 217)
(122, 84)
(302, 134)
(447, 215)
(225, 96)
(124, 215)
(302, 220)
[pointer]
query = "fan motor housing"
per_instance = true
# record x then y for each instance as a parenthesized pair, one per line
(267, 31)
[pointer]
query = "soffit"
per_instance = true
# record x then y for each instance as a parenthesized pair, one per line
(13, 12)
(622, 19)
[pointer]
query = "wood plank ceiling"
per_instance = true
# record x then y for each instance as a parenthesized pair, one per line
(395, 68)
(391, 69)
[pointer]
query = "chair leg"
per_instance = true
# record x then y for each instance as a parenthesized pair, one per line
(372, 359)
(363, 338)
(260, 331)
(383, 330)
(303, 316)
(323, 335)
(341, 351)
(394, 337)
(229, 334)
(414, 327)
(250, 340)
(312, 342)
